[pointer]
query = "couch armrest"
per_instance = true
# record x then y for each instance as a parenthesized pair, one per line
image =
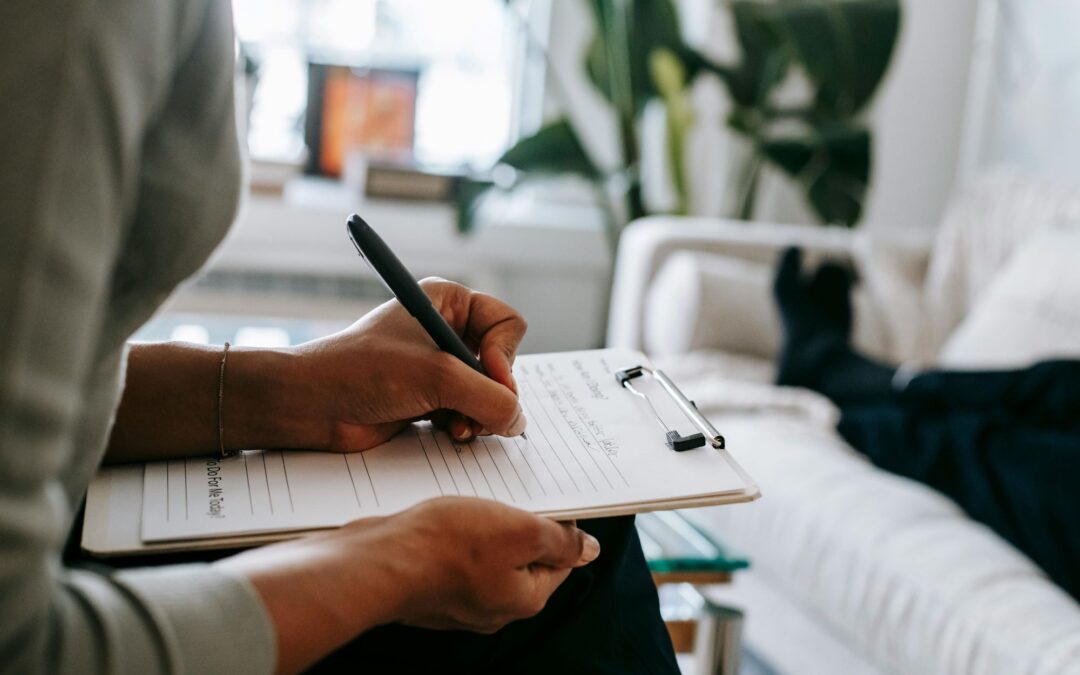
(648, 242)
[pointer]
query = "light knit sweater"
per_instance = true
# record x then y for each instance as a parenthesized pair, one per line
(119, 173)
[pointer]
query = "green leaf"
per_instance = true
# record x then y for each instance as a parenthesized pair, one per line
(597, 67)
(833, 166)
(633, 28)
(668, 73)
(555, 148)
(670, 77)
(696, 63)
(765, 58)
(844, 45)
(470, 193)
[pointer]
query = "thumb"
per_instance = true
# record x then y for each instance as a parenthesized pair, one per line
(479, 397)
(566, 546)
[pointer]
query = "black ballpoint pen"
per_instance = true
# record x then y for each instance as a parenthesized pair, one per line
(403, 285)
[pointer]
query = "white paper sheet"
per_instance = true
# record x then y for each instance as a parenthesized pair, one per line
(591, 445)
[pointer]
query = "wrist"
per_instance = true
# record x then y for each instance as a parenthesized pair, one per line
(344, 582)
(268, 402)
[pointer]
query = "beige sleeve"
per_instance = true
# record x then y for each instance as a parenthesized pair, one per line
(76, 105)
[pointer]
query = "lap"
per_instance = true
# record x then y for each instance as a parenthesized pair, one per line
(603, 619)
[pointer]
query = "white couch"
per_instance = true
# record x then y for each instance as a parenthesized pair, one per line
(853, 570)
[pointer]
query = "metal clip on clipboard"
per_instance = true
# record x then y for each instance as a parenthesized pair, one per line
(675, 440)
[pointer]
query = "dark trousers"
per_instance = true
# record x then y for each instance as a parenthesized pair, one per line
(1004, 445)
(604, 619)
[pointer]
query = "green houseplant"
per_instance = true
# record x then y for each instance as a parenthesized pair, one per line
(841, 47)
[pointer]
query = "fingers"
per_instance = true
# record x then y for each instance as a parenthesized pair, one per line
(565, 546)
(494, 406)
(494, 330)
(499, 343)
(441, 418)
(505, 563)
(490, 324)
(459, 427)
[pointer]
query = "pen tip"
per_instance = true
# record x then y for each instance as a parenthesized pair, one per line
(524, 436)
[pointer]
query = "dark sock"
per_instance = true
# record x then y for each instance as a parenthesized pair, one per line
(817, 317)
(850, 378)
(813, 306)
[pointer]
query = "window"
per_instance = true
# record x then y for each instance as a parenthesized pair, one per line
(470, 55)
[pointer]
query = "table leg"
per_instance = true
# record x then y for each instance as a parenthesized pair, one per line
(718, 643)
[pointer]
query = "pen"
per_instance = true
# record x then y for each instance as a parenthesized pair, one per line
(403, 285)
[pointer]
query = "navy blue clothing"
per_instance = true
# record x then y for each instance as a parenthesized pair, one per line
(1004, 445)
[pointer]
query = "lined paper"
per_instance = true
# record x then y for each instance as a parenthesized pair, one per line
(591, 444)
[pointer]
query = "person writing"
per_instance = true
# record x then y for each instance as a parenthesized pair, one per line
(120, 173)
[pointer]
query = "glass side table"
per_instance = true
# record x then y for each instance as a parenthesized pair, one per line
(683, 559)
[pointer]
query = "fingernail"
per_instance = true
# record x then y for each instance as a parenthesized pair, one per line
(518, 425)
(463, 434)
(590, 549)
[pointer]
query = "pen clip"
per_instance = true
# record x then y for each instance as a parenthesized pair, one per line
(348, 231)
(367, 262)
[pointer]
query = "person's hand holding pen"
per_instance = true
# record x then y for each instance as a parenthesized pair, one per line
(439, 351)
(424, 346)
(369, 381)
(346, 392)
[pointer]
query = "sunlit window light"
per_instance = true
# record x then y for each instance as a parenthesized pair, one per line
(465, 52)
(189, 332)
(262, 336)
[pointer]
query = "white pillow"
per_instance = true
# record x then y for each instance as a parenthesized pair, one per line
(1029, 312)
(708, 301)
(892, 267)
(987, 222)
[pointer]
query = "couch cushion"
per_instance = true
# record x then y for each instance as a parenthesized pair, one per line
(702, 300)
(985, 224)
(889, 562)
(1029, 312)
(891, 269)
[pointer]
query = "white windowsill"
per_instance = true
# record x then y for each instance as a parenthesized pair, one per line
(304, 231)
(550, 260)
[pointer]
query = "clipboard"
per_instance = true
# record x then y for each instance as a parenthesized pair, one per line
(641, 409)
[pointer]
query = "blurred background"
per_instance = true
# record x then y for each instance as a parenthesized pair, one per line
(625, 173)
(402, 109)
